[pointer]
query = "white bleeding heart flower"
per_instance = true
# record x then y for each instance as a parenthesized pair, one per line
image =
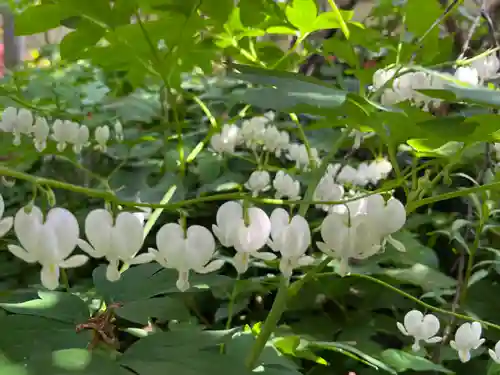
(41, 131)
(467, 75)
(82, 139)
(192, 250)
(286, 186)
(119, 134)
(246, 233)
(298, 154)
(421, 327)
(275, 140)
(102, 135)
(258, 182)
(291, 238)
(49, 243)
(467, 338)
(348, 232)
(116, 240)
(9, 118)
(227, 140)
(64, 133)
(23, 125)
(327, 190)
(253, 130)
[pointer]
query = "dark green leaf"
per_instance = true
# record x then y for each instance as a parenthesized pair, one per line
(61, 306)
(403, 361)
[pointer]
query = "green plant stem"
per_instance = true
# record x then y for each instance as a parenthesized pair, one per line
(336, 11)
(315, 272)
(472, 253)
(279, 304)
(319, 172)
(269, 325)
(230, 308)
(65, 279)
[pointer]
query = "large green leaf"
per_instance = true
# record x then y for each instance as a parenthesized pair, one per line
(403, 361)
(286, 91)
(162, 308)
(182, 352)
(24, 336)
(60, 306)
(302, 14)
(64, 362)
(37, 19)
(427, 278)
(147, 281)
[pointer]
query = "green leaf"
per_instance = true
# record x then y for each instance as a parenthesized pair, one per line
(73, 361)
(451, 128)
(61, 306)
(22, 336)
(147, 281)
(183, 352)
(75, 42)
(302, 14)
(342, 50)
(162, 308)
(330, 20)
(427, 278)
(37, 19)
(252, 12)
(415, 251)
(352, 352)
(289, 91)
(434, 148)
(421, 14)
(219, 10)
(403, 361)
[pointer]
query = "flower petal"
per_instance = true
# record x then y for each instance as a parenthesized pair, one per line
(402, 329)
(5, 225)
(49, 276)
(27, 227)
(211, 267)
(74, 261)
(200, 246)
(241, 261)
(65, 227)
(171, 244)
(129, 230)
(112, 272)
(334, 233)
(413, 322)
(98, 226)
(142, 258)
(259, 228)
(19, 252)
(394, 216)
(279, 220)
(183, 281)
(430, 325)
(85, 246)
(228, 212)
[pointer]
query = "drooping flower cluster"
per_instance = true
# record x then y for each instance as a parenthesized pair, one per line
(283, 183)
(359, 229)
(425, 328)
(405, 85)
(480, 70)
(259, 132)
(64, 132)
